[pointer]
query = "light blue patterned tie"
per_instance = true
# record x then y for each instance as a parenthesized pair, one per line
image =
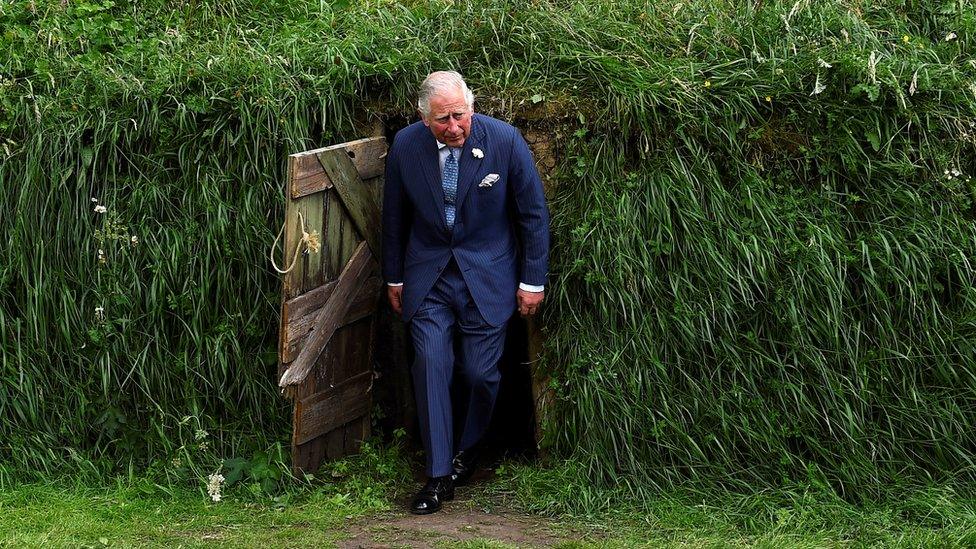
(449, 182)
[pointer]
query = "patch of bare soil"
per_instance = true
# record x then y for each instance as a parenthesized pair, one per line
(459, 520)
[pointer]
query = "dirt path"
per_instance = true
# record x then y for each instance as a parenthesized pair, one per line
(459, 520)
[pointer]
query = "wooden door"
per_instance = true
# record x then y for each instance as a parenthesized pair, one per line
(330, 297)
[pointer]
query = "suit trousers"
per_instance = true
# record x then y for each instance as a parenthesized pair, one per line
(448, 319)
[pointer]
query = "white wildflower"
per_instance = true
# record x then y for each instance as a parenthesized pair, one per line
(94, 200)
(100, 314)
(100, 209)
(846, 35)
(818, 86)
(134, 240)
(950, 37)
(873, 67)
(759, 58)
(823, 63)
(914, 84)
(101, 256)
(201, 434)
(214, 483)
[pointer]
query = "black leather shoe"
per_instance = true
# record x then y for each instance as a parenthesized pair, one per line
(429, 498)
(464, 465)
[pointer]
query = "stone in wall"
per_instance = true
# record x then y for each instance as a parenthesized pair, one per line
(541, 143)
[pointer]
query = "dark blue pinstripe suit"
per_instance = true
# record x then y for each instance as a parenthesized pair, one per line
(461, 281)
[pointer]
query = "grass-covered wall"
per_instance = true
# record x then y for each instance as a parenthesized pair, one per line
(763, 219)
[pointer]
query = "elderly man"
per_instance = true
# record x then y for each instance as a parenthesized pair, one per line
(465, 244)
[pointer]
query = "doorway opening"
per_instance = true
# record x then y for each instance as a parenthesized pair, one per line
(512, 431)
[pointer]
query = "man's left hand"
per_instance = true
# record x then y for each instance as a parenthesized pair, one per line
(529, 302)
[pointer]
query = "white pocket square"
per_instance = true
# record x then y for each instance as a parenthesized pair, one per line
(489, 180)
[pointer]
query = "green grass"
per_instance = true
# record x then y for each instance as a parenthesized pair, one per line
(762, 275)
(799, 515)
(180, 508)
(60, 516)
(129, 514)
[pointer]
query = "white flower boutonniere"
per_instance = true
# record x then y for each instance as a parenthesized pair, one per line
(477, 153)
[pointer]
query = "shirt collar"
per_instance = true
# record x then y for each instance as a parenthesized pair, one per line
(442, 146)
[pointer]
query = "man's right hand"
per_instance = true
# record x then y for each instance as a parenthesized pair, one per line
(395, 295)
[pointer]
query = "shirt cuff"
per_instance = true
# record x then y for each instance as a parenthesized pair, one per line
(530, 288)
(394, 283)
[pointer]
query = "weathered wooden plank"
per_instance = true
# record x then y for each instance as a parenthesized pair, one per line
(347, 348)
(312, 208)
(308, 457)
(367, 155)
(321, 413)
(355, 432)
(309, 176)
(350, 337)
(293, 279)
(333, 312)
(375, 185)
(349, 237)
(357, 198)
(298, 315)
(302, 215)
(335, 444)
(359, 430)
(334, 258)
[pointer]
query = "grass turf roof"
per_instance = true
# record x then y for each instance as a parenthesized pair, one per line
(789, 298)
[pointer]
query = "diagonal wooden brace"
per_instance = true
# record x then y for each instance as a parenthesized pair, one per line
(356, 197)
(299, 315)
(333, 314)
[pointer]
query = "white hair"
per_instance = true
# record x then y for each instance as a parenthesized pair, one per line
(441, 83)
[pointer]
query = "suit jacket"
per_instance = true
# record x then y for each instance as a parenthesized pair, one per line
(501, 231)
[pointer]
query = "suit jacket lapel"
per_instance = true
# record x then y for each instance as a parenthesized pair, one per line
(468, 165)
(430, 162)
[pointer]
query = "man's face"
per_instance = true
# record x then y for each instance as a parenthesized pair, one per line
(450, 118)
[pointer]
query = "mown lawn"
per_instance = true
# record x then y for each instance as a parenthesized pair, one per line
(61, 516)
